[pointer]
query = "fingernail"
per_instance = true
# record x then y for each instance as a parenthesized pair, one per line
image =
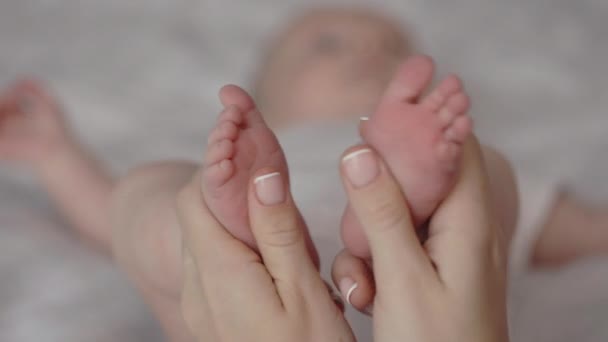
(347, 287)
(270, 189)
(361, 167)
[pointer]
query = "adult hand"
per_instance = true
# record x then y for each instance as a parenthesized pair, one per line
(451, 287)
(233, 294)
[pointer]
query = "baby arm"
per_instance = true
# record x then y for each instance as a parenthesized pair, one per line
(33, 132)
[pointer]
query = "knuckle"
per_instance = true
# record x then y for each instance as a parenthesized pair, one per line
(282, 231)
(388, 215)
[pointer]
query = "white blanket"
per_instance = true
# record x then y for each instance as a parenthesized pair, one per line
(139, 79)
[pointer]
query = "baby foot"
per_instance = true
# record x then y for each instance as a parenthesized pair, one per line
(31, 123)
(239, 145)
(420, 138)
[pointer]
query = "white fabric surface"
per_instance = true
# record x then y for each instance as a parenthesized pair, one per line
(139, 80)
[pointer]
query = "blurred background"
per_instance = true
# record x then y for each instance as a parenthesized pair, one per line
(139, 80)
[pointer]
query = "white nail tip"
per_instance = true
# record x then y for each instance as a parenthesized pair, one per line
(355, 154)
(349, 293)
(264, 177)
(364, 118)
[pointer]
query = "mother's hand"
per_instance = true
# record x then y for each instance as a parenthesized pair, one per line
(233, 294)
(451, 287)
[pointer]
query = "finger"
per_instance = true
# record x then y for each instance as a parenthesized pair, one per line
(464, 234)
(278, 228)
(195, 310)
(231, 274)
(335, 297)
(355, 280)
(205, 237)
(380, 207)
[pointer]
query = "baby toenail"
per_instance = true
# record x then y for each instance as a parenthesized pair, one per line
(361, 167)
(270, 189)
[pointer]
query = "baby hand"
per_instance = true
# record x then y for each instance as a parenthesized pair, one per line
(31, 124)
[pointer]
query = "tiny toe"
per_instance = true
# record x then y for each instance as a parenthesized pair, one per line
(255, 117)
(449, 152)
(233, 114)
(449, 85)
(221, 150)
(446, 117)
(224, 130)
(218, 174)
(460, 129)
(232, 95)
(411, 79)
(456, 106)
(438, 97)
(458, 103)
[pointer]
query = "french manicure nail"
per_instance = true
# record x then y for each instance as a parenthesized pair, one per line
(347, 287)
(270, 189)
(361, 167)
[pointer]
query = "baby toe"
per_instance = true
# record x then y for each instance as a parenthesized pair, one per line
(219, 151)
(218, 174)
(224, 130)
(232, 114)
(460, 129)
(440, 95)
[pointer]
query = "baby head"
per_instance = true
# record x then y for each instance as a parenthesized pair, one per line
(329, 65)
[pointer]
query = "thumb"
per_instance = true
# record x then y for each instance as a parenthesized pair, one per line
(279, 229)
(380, 207)
(355, 280)
(464, 234)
